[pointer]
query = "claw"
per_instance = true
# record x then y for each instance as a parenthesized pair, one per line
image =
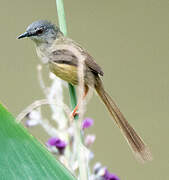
(74, 114)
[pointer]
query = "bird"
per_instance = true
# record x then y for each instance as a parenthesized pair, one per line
(61, 54)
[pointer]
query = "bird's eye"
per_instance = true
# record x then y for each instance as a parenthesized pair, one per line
(39, 31)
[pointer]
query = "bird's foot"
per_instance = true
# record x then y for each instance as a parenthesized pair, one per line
(73, 114)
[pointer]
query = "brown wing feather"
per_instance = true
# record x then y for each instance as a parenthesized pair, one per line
(67, 56)
(64, 56)
(90, 62)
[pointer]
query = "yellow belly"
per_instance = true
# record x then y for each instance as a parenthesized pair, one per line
(65, 71)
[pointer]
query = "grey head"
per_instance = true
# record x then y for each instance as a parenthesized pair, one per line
(41, 31)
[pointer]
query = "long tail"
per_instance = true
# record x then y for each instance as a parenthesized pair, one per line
(139, 148)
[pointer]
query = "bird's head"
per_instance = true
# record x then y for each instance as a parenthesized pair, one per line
(41, 31)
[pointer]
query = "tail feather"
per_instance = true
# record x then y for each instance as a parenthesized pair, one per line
(139, 148)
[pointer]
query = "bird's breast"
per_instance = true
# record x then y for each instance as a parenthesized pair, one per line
(66, 72)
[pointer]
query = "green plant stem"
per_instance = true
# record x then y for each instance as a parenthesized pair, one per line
(61, 16)
(73, 98)
(83, 170)
(63, 28)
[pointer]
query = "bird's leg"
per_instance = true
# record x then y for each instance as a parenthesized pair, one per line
(74, 113)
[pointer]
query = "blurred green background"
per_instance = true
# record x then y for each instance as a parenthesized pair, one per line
(129, 40)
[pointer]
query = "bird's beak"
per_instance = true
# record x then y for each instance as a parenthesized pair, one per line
(25, 34)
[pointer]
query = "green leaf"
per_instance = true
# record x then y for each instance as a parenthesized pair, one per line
(22, 157)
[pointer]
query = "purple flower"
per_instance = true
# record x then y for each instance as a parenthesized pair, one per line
(87, 122)
(110, 176)
(58, 143)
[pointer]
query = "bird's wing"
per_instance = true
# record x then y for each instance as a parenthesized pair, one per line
(66, 54)
(90, 62)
